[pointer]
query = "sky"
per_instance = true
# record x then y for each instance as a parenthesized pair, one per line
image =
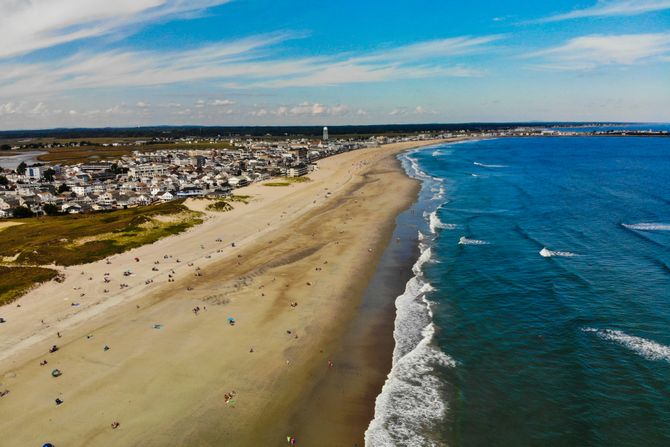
(99, 63)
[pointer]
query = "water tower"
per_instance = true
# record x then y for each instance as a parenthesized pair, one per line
(325, 134)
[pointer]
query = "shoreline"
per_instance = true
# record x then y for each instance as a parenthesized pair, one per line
(153, 377)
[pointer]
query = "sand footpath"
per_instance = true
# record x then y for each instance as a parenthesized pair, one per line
(271, 311)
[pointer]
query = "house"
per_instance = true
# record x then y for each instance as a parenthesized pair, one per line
(238, 182)
(34, 172)
(81, 190)
(166, 197)
(297, 171)
(72, 208)
(8, 203)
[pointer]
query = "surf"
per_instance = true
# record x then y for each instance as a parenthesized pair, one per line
(646, 348)
(413, 394)
(546, 253)
(465, 241)
(435, 224)
(646, 226)
(483, 165)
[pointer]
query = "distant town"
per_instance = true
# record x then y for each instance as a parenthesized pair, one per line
(210, 167)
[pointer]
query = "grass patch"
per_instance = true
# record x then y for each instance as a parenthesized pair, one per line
(79, 239)
(15, 281)
(84, 154)
(220, 206)
(243, 199)
(287, 181)
(303, 179)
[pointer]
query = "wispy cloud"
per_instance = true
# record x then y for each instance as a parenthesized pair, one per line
(36, 24)
(249, 62)
(594, 51)
(304, 109)
(606, 8)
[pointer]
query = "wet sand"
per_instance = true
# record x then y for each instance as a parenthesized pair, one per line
(168, 370)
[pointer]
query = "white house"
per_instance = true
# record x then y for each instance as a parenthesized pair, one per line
(166, 197)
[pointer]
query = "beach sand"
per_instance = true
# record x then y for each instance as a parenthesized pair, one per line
(167, 372)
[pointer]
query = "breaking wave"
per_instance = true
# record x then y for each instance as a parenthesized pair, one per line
(546, 253)
(465, 241)
(644, 226)
(646, 348)
(418, 172)
(412, 399)
(488, 166)
(435, 224)
(438, 193)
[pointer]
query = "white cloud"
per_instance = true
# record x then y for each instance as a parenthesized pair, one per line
(222, 102)
(605, 8)
(304, 109)
(590, 52)
(245, 63)
(8, 108)
(142, 105)
(29, 25)
(405, 111)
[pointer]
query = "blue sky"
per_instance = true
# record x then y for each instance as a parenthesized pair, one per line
(258, 62)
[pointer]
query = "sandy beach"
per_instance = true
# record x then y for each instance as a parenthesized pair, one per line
(269, 353)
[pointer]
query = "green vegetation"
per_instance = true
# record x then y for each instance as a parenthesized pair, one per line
(22, 212)
(287, 181)
(243, 199)
(49, 175)
(79, 239)
(223, 205)
(15, 281)
(50, 209)
(95, 152)
(220, 205)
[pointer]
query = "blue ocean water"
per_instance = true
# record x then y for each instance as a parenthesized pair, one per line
(656, 127)
(540, 310)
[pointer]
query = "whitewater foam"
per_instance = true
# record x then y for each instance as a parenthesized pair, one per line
(488, 166)
(438, 193)
(435, 224)
(646, 348)
(418, 172)
(465, 241)
(412, 398)
(646, 226)
(546, 253)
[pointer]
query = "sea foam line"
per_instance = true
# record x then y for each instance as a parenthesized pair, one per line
(411, 400)
(646, 348)
(647, 226)
(546, 253)
(435, 224)
(476, 163)
(465, 241)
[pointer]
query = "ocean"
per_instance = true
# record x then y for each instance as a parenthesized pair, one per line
(539, 310)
